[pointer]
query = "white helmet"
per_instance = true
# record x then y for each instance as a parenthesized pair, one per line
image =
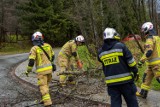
(147, 27)
(110, 33)
(80, 38)
(37, 36)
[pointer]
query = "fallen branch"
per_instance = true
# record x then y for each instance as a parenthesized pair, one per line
(71, 72)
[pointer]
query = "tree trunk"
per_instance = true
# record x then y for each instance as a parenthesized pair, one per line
(102, 14)
(80, 22)
(2, 38)
(94, 29)
(144, 11)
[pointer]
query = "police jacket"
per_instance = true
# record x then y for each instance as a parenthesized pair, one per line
(118, 62)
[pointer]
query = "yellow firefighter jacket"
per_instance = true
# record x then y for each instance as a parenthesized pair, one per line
(68, 49)
(43, 65)
(153, 44)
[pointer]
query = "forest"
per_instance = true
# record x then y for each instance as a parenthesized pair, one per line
(61, 20)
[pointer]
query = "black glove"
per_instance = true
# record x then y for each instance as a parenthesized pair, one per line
(158, 79)
(140, 64)
(26, 73)
(144, 77)
(54, 67)
(136, 76)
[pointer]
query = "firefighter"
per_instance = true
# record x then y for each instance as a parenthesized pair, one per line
(43, 66)
(119, 68)
(67, 54)
(152, 58)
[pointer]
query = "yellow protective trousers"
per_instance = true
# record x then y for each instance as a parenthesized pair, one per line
(65, 64)
(43, 82)
(151, 71)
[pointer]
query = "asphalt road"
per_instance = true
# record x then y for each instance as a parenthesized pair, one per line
(15, 93)
(11, 91)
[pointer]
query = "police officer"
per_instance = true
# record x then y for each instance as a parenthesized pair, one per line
(152, 58)
(119, 68)
(43, 66)
(67, 53)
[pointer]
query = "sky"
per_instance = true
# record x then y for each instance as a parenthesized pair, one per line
(158, 6)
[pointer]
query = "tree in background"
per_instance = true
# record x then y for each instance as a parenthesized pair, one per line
(93, 16)
(46, 16)
(61, 20)
(8, 19)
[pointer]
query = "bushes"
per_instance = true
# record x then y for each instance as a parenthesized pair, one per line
(88, 60)
(15, 48)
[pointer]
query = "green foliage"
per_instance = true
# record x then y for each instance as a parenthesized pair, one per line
(15, 48)
(88, 60)
(90, 63)
(141, 72)
(59, 19)
(154, 84)
(13, 38)
(121, 16)
(45, 16)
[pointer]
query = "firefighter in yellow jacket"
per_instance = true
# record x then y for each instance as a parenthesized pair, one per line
(68, 51)
(151, 57)
(43, 66)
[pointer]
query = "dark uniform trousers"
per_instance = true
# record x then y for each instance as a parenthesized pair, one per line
(128, 90)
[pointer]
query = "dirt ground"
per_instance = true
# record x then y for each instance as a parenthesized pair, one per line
(78, 95)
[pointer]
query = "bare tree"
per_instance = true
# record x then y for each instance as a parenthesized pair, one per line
(2, 23)
(152, 13)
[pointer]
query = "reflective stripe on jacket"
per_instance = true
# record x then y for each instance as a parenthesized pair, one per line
(41, 60)
(152, 43)
(118, 78)
(117, 64)
(46, 97)
(69, 48)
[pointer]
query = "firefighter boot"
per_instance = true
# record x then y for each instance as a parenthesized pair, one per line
(48, 106)
(71, 80)
(63, 80)
(142, 94)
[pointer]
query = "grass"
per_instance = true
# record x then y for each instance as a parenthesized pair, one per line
(14, 48)
(88, 60)
(154, 84)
